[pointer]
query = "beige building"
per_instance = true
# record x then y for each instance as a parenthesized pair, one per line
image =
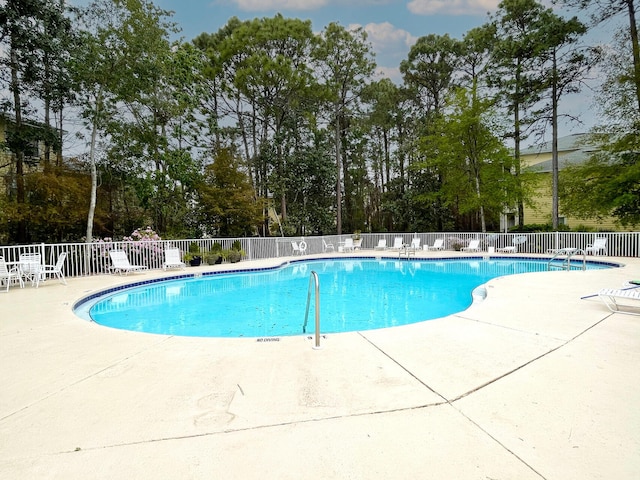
(572, 150)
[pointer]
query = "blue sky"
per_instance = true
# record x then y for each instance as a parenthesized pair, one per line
(392, 25)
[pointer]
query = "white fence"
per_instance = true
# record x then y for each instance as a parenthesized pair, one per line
(90, 259)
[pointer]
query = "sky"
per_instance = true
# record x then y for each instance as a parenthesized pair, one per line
(393, 26)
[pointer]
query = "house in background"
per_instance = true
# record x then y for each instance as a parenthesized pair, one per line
(572, 150)
(33, 154)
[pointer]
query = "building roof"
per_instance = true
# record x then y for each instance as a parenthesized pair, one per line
(573, 149)
(570, 159)
(576, 141)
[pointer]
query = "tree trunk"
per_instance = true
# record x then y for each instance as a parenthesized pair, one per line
(633, 30)
(60, 139)
(19, 154)
(554, 145)
(516, 148)
(47, 113)
(338, 176)
(94, 172)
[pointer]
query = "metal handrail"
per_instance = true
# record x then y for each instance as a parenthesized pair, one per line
(566, 263)
(313, 278)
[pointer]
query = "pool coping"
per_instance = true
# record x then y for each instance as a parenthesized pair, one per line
(547, 393)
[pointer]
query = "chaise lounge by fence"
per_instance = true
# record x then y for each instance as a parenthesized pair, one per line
(84, 259)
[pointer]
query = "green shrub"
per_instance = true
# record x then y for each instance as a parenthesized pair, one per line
(538, 227)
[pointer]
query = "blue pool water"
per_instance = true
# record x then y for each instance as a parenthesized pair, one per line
(356, 294)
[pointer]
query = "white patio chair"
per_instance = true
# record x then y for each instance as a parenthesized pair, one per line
(348, 245)
(415, 244)
(474, 246)
(31, 267)
(438, 244)
(398, 243)
(327, 246)
(120, 263)
(299, 248)
(55, 269)
(7, 275)
(172, 259)
(382, 244)
(598, 245)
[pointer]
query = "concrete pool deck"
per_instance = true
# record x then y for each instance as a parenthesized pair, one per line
(532, 383)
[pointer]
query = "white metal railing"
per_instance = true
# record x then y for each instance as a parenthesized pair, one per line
(89, 259)
(313, 282)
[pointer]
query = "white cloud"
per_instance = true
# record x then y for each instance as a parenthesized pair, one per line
(387, 37)
(452, 7)
(390, 45)
(265, 5)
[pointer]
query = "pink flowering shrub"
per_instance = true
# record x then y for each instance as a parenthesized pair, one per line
(146, 235)
(142, 247)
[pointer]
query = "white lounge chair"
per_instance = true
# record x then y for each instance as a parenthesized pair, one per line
(382, 244)
(621, 300)
(172, 259)
(474, 246)
(327, 246)
(398, 243)
(348, 245)
(598, 245)
(519, 240)
(438, 244)
(120, 263)
(7, 275)
(561, 251)
(55, 269)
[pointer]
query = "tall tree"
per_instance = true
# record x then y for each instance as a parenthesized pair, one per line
(144, 114)
(382, 98)
(266, 77)
(604, 10)
(429, 74)
(345, 63)
(467, 148)
(226, 199)
(609, 182)
(96, 70)
(565, 69)
(27, 39)
(519, 27)
(430, 68)
(56, 84)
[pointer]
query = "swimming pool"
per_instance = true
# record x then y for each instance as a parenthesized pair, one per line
(356, 294)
